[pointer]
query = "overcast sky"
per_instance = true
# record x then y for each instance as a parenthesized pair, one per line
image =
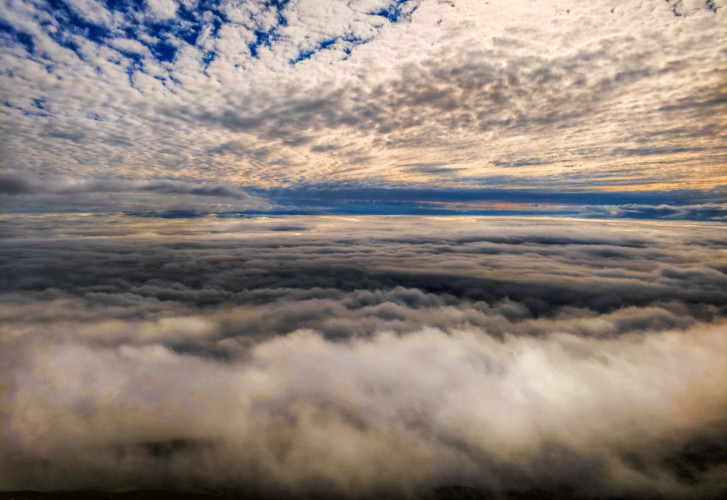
(293, 96)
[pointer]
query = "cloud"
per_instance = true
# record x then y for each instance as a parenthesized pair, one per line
(127, 45)
(25, 193)
(429, 258)
(387, 414)
(14, 185)
(163, 9)
(364, 356)
(175, 198)
(707, 211)
(156, 334)
(304, 92)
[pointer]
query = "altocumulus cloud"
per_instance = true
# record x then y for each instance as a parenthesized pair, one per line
(364, 357)
(383, 92)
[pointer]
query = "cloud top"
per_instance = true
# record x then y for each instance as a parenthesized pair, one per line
(364, 357)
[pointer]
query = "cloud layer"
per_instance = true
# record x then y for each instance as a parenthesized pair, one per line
(24, 193)
(383, 93)
(364, 357)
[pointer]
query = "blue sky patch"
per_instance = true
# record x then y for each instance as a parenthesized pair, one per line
(393, 12)
(164, 52)
(9, 33)
(307, 54)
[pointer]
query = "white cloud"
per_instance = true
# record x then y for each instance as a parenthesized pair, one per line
(540, 90)
(93, 11)
(162, 9)
(392, 413)
(129, 45)
(361, 356)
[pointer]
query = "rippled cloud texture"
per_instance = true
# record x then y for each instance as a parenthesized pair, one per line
(618, 95)
(364, 356)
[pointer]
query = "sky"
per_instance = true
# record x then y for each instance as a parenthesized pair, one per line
(363, 249)
(596, 109)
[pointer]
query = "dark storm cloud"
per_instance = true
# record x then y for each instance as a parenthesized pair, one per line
(364, 357)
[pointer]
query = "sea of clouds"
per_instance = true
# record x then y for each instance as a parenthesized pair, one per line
(364, 356)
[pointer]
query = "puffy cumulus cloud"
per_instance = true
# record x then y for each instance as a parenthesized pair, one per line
(613, 94)
(364, 357)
